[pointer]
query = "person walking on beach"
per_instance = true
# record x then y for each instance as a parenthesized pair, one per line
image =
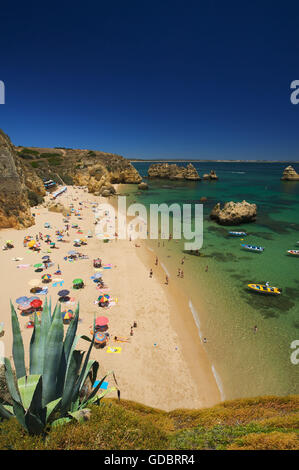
(131, 332)
(182, 274)
(151, 273)
(156, 262)
(183, 260)
(166, 280)
(179, 273)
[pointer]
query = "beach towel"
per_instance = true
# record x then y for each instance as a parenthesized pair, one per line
(23, 266)
(104, 385)
(106, 267)
(55, 284)
(116, 350)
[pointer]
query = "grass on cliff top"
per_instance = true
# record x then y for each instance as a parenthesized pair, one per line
(261, 423)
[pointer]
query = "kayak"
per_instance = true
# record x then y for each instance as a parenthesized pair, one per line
(238, 234)
(262, 289)
(256, 249)
(293, 252)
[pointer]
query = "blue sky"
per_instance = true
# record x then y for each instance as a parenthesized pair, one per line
(149, 79)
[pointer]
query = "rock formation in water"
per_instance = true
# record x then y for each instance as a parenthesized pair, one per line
(142, 185)
(289, 174)
(234, 213)
(18, 183)
(173, 172)
(210, 176)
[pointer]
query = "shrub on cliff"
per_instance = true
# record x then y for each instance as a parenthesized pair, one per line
(34, 198)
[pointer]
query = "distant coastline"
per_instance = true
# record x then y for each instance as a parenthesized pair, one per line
(208, 161)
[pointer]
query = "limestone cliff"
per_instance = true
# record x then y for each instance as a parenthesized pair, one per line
(173, 172)
(94, 169)
(16, 178)
(289, 174)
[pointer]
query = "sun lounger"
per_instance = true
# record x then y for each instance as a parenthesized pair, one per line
(116, 350)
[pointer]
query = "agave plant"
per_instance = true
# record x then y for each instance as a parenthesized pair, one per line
(54, 391)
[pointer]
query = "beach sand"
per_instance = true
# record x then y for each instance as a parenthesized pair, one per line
(164, 364)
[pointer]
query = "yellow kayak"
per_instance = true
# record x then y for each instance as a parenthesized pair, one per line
(262, 289)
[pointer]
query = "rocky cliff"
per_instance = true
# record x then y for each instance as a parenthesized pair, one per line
(18, 182)
(289, 174)
(94, 169)
(234, 213)
(173, 172)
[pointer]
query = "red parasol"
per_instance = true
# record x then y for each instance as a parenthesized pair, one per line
(36, 303)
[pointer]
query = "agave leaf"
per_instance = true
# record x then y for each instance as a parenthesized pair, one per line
(44, 330)
(52, 407)
(80, 381)
(27, 386)
(35, 407)
(11, 382)
(33, 423)
(94, 372)
(54, 346)
(6, 412)
(71, 334)
(34, 348)
(60, 421)
(71, 378)
(19, 413)
(17, 346)
(95, 390)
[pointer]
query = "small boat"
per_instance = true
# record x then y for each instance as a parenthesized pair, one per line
(256, 249)
(238, 234)
(263, 289)
(293, 252)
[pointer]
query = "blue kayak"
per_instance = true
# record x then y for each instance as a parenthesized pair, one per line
(256, 249)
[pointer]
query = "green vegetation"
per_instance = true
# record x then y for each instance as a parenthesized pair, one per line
(56, 388)
(49, 155)
(34, 164)
(34, 198)
(262, 423)
(54, 161)
(29, 152)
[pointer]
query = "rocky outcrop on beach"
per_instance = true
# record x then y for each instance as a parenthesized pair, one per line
(18, 182)
(289, 174)
(210, 176)
(142, 185)
(58, 208)
(173, 172)
(234, 213)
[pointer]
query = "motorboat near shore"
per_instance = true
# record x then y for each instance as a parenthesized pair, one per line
(265, 289)
(293, 252)
(256, 249)
(238, 234)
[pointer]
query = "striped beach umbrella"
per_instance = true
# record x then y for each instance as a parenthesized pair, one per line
(36, 303)
(104, 298)
(78, 281)
(22, 300)
(99, 338)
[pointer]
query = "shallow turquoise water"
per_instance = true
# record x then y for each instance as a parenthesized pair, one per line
(245, 363)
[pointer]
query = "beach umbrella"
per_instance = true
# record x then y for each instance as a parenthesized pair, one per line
(36, 303)
(67, 315)
(38, 265)
(22, 300)
(104, 298)
(63, 293)
(25, 306)
(46, 277)
(31, 243)
(78, 281)
(101, 321)
(100, 338)
(46, 257)
(72, 252)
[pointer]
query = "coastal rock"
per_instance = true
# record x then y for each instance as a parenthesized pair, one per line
(210, 176)
(57, 207)
(234, 213)
(173, 172)
(14, 204)
(143, 185)
(289, 174)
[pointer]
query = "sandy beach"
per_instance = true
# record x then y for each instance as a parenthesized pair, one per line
(163, 364)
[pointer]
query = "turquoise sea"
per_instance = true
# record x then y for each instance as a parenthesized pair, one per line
(245, 363)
